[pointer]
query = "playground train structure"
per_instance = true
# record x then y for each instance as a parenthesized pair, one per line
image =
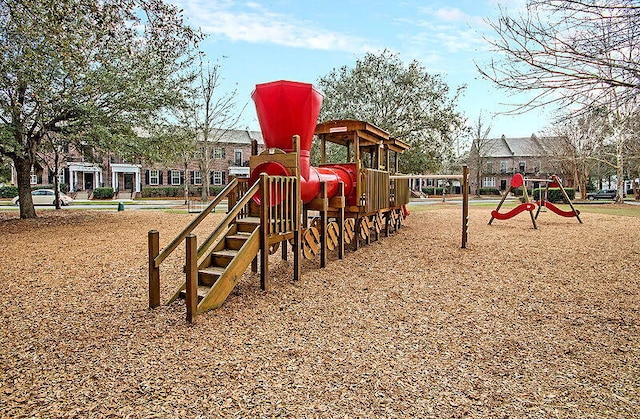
(287, 203)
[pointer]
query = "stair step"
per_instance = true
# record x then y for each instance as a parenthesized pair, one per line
(247, 224)
(209, 276)
(202, 292)
(225, 253)
(221, 258)
(235, 241)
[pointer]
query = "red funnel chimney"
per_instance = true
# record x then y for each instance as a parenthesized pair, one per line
(288, 108)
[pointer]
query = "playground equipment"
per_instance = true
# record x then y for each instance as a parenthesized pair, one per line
(554, 182)
(518, 181)
(287, 202)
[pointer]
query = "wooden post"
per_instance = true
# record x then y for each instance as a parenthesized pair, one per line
(526, 199)
(341, 221)
(154, 271)
(555, 178)
(502, 201)
(323, 225)
(465, 205)
(297, 232)
(264, 231)
(191, 291)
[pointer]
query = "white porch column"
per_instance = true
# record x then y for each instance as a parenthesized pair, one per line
(74, 180)
(114, 179)
(136, 179)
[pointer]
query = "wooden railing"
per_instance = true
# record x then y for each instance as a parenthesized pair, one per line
(239, 207)
(280, 204)
(156, 257)
(376, 189)
(400, 193)
(279, 214)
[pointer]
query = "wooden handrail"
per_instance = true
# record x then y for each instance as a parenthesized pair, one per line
(192, 225)
(230, 216)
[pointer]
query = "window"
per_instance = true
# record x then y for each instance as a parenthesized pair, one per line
(217, 178)
(197, 177)
(218, 153)
(503, 167)
(237, 157)
(489, 167)
(536, 168)
(154, 177)
(489, 182)
(521, 167)
(175, 177)
(34, 177)
(61, 176)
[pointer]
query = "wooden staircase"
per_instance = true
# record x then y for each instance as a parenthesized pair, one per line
(224, 265)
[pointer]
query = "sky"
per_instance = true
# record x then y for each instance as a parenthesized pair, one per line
(259, 41)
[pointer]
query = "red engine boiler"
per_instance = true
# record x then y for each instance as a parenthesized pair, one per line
(287, 108)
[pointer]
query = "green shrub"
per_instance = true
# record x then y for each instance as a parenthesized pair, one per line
(489, 191)
(432, 191)
(555, 194)
(520, 192)
(176, 191)
(8, 191)
(103, 193)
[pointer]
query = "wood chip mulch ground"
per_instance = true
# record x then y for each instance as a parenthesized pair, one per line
(524, 323)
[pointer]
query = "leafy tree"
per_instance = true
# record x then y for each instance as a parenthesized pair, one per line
(405, 100)
(89, 69)
(576, 53)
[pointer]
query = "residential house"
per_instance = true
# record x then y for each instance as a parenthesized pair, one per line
(493, 162)
(229, 158)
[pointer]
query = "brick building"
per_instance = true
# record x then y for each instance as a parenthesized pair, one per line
(500, 158)
(229, 157)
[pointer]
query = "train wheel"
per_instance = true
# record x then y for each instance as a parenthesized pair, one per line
(398, 218)
(333, 235)
(349, 230)
(377, 223)
(310, 243)
(393, 221)
(274, 248)
(365, 228)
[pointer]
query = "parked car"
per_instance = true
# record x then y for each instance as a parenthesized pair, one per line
(604, 194)
(45, 197)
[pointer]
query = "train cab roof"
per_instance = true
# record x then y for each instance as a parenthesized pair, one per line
(346, 131)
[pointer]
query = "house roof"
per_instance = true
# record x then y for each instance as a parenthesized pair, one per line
(521, 146)
(236, 136)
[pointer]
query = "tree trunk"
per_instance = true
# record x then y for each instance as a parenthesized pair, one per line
(186, 183)
(204, 172)
(56, 177)
(23, 170)
(620, 169)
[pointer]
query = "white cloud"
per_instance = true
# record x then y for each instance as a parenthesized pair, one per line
(251, 22)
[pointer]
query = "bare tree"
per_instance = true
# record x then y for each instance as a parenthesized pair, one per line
(576, 53)
(567, 51)
(481, 147)
(211, 109)
(578, 144)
